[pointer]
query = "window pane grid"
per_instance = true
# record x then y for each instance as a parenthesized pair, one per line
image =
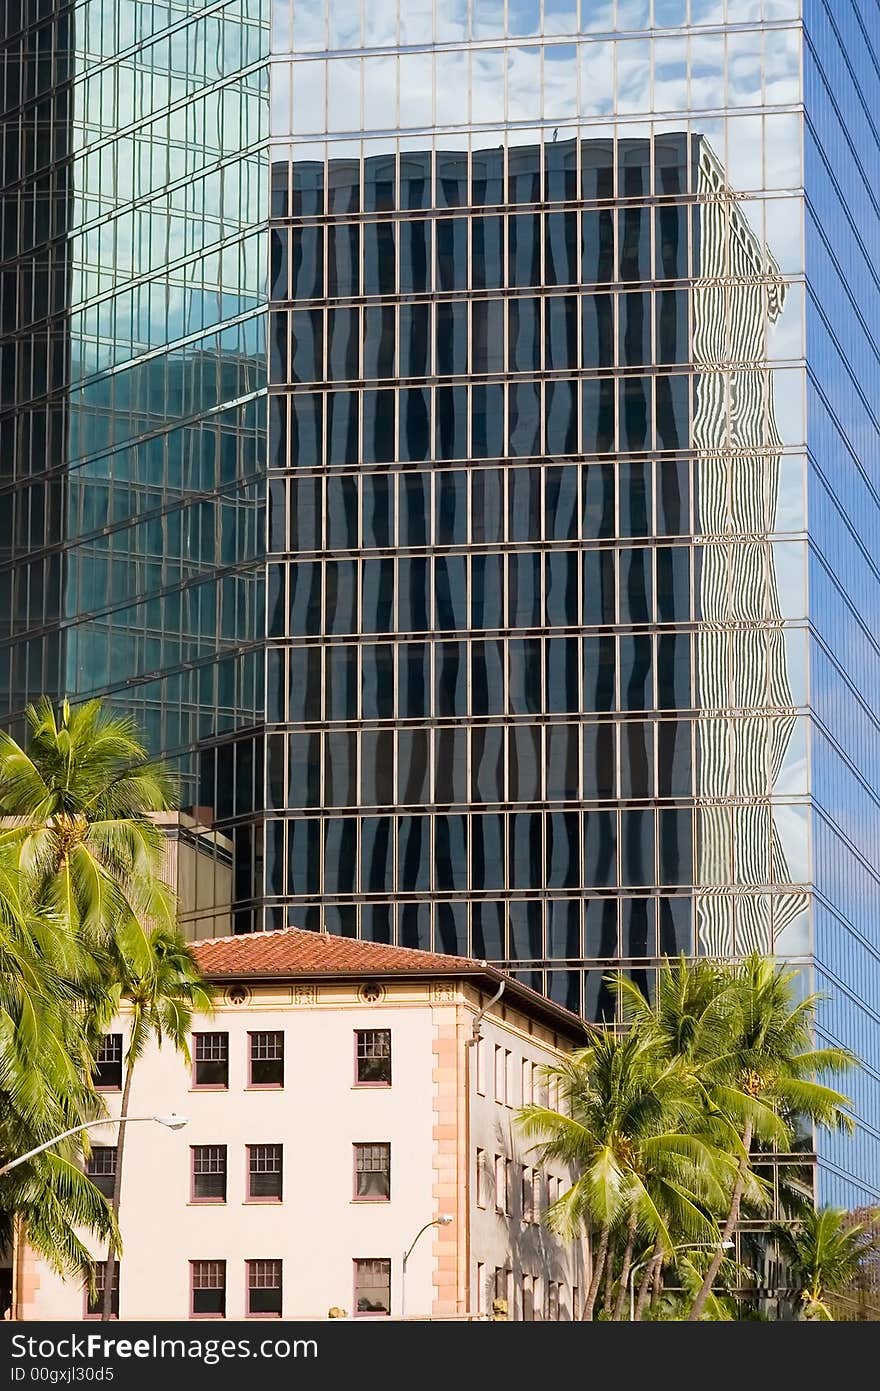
(264, 1275)
(211, 1048)
(209, 1275)
(265, 1171)
(267, 1047)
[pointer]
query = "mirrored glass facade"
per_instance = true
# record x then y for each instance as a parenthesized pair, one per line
(540, 680)
(133, 407)
(537, 622)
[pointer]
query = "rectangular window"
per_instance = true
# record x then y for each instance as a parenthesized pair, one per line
(264, 1289)
(502, 1283)
(373, 1057)
(526, 1194)
(526, 1082)
(528, 1298)
(211, 1060)
(208, 1289)
(511, 1079)
(500, 1076)
(265, 1173)
(101, 1168)
(553, 1300)
(537, 1194)
(95, 1306)
(208, 1173)
(482, 1180)
(372, 1287)
(503, 1172)
(267, 1060)
(553, 1093)
(539, 1085)
(108, 1064)
(372, 1172)
(481, 1066)
(481, 1287)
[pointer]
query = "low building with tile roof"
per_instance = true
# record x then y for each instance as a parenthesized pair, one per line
(343, 1095)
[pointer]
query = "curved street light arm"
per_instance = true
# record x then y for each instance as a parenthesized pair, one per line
(87, 1125)
(407, 1254)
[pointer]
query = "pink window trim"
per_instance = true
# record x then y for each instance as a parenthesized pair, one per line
(354, 1287)
(204, 1202)
(355, 1196)
(363, 1086)
(192, 1313)
(195, 1086)
(91, 1318)
(260, 1202)
(247, 1291)
(263, 1086)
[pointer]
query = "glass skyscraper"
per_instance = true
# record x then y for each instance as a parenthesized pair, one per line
(533, 613)
(132, 402)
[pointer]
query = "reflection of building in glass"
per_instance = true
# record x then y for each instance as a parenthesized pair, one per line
(493, 542)
(738, 293)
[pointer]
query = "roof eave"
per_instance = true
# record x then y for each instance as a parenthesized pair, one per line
(561, 1020)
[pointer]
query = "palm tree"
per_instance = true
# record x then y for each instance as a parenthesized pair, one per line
(45, 1083)
(825, 1251)
(746, 1039)
(77, 806)
(630, 1126)
(766, 1081)
(161, 1001)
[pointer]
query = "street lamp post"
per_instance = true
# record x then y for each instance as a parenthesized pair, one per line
(442, 1221)
(173, 1122)
(693, 1246)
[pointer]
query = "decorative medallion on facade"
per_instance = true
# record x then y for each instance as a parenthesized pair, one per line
(443, 993)
(371, 994)
(304, 995)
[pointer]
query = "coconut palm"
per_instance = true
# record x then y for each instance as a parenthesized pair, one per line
(750, 1048)
(629, 1125)
(770, 1077)
(76, 806)
(825, 1251)
(746, 1039)
(45, 1083)
(160, 1001)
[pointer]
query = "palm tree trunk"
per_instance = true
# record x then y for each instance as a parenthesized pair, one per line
(732, 1218)
(651, 1269)
(110, 1266)
(624, 1270)
(658, 1281)
(609, 1278)
(593, 1290)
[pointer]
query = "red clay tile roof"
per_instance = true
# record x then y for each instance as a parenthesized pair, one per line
(293, 954)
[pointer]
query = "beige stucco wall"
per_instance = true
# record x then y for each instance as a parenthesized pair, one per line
(317, 1230)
